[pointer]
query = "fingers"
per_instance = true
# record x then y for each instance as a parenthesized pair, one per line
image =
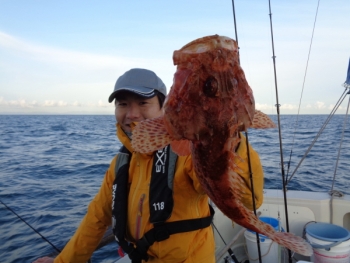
(44, 260)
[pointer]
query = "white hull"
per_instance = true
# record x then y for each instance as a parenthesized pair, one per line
(303, 207)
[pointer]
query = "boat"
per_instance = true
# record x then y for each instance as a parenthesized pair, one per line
(318, 217)
(304, 208)
(293, 211)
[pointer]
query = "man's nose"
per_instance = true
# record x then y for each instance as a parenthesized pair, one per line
(133, 112)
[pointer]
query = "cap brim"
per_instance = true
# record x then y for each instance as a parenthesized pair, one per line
(140, 91)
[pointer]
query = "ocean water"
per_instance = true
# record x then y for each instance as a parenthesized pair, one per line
(52, 166)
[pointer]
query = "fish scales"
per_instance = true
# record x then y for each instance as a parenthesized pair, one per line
(209, 104)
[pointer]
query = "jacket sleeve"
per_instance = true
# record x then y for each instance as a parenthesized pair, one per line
(257, 175)
(93, 226)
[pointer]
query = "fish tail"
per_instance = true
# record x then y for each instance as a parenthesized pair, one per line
(288, 240)
(251, 221)
(292, 242)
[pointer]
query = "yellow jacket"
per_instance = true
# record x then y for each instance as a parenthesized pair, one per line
(190, 201)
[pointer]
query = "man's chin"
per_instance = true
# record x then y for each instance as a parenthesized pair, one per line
(127, 129)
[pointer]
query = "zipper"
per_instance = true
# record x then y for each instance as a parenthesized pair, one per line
(138, 179)
(139, 217)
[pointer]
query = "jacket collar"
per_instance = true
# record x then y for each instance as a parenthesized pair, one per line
(124, 139)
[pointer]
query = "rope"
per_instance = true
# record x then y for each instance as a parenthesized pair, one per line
(229, 250)
(235, 24)
(36, 231)
(248, 150)
(229, 245)
(319, 133)
(302, 90)
(341, 142)
(279, 133)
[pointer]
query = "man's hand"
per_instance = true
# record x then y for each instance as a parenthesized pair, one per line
(44, 260)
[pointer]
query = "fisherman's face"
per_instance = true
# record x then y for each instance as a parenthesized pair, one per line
(131, 108)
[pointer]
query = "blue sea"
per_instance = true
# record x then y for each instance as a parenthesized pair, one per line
(52, 166)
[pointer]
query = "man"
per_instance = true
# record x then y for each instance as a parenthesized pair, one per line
(139, 94)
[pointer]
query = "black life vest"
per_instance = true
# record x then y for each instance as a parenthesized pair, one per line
(161, 204)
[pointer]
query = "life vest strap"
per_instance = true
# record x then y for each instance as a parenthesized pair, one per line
(162, 231)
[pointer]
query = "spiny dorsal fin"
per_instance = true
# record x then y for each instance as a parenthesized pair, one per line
(262, 121)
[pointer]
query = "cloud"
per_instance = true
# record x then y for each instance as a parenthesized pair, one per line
(76, 104)
(320, 105)
(53, 55)
(52, 103)
(22, 103)
(263, 107)
(287, 106)
(103, 104)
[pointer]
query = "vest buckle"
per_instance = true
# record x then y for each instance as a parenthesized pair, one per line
(161, 233)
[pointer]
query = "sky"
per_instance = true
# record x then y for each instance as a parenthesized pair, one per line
(64, 57)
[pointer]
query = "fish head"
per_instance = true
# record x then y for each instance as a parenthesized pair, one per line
(209, 93)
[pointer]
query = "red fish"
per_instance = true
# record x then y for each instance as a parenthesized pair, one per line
(209, 103)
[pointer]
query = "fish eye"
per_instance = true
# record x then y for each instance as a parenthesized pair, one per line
(210, 87)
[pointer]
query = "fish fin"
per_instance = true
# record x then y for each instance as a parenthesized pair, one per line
(292, 242)
(150, 135)
(236, 182)
(247, 218)
(262, 121)
(234, 164)
(181, 147)
(288, 240)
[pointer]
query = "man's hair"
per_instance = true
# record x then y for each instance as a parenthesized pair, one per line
(161, 98)
(123, 94)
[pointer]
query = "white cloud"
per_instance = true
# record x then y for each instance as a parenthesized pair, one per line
(21, 103)
(263, 107)
(320, 105)
(287, 106)
(69, 58)
(52, 103)
(317, 108)
(103, 104)
(49, 103)
(76, 104)
(63, 75)
(331, 107)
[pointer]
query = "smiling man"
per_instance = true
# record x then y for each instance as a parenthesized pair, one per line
(157, 214)
(139, 94)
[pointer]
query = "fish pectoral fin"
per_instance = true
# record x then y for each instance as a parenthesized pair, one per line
(181, 147)
(150, 135)
(262, 121)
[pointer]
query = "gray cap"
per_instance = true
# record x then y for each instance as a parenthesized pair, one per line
(140, 81)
